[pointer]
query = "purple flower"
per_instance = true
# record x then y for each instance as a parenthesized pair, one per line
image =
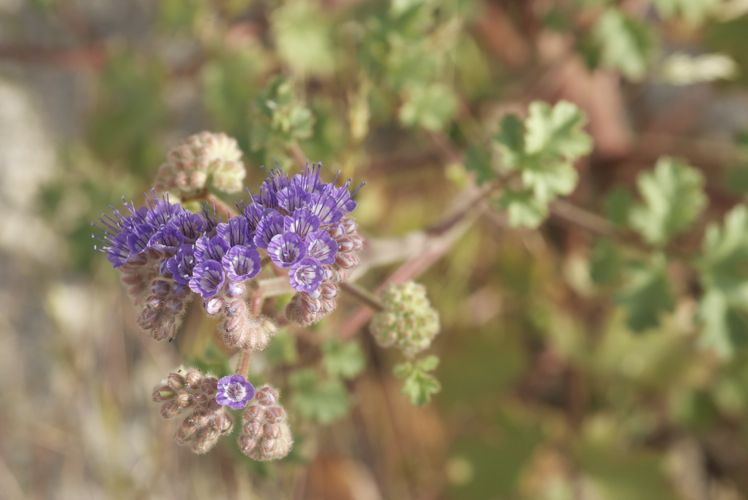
(292, 198)
(161, 212)
(190, 226)
(325, 208)
(234, 391)
(235, 231)
(138, 238)
(321, 247)
(207, 279)
(241, 263)
(286, 249)
(302, 222)
(309, 180)
(167, 239)
(306, 276)
(270, 225)
(210, 249)
(254, 213)
(342, 195)
(117, 229)
(180, 265)
(276, 181)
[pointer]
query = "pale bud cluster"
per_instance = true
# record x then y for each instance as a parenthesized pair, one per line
(192, 390)
(306, 308)
(265, 433)
(238, 327)
(200, 156)
(408, 321)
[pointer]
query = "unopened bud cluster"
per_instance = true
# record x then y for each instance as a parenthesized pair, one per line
(239, 328)
(407, 321)
(265, 433)
(192, 391)
(201, 156)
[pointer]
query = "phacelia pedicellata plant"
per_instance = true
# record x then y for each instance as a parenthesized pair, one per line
(295, 234)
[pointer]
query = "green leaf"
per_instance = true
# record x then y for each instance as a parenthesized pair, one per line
(429, 107)
(418, 384)
(343, 359)
(606, 262)
(478, 160)
(511, 140)
(556, 131)
(303, 36)
(322, 401)
(617, 206)
(522, 208)
(723, 271)
(725, 326)
(553, 139)
(542, 149)
(646, 295)
(673, 197)
(724, 261)
(626, 44)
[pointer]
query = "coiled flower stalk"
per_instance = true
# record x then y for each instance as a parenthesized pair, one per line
(192, 390)
(240, 327)
(265, 433)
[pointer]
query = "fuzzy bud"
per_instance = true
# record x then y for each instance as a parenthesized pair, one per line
(265, 432)
(240, 330)
(208, 421)
(408, 321)
(191, 163)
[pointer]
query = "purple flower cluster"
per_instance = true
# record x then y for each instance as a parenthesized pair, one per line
(291, 219)
(159, 225)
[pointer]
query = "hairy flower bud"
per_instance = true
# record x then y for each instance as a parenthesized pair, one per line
(408, 321)
(240, 330)
(189, 165)
(265, 433)
(162, 311)
(208, 421)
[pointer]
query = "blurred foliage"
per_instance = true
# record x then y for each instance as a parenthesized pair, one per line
(579, 355)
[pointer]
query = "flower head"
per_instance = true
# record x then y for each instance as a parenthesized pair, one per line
(234, 391)
(270, 225)
(306, 275)
(241, 263)
(286, 249)
(321, 247)
(207, 279)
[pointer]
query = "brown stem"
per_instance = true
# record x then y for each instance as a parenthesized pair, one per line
(242, 368)
(362, 295)
(222, 208)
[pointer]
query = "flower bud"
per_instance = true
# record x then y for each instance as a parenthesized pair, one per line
(189, 165)
(408, 321)
(241, 331)
(265, 432)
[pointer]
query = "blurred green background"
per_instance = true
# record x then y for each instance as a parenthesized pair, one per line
(546, 393)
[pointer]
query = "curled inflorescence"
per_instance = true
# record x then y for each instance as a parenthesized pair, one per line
(191, 391)
(300, 223)
(265, 433)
